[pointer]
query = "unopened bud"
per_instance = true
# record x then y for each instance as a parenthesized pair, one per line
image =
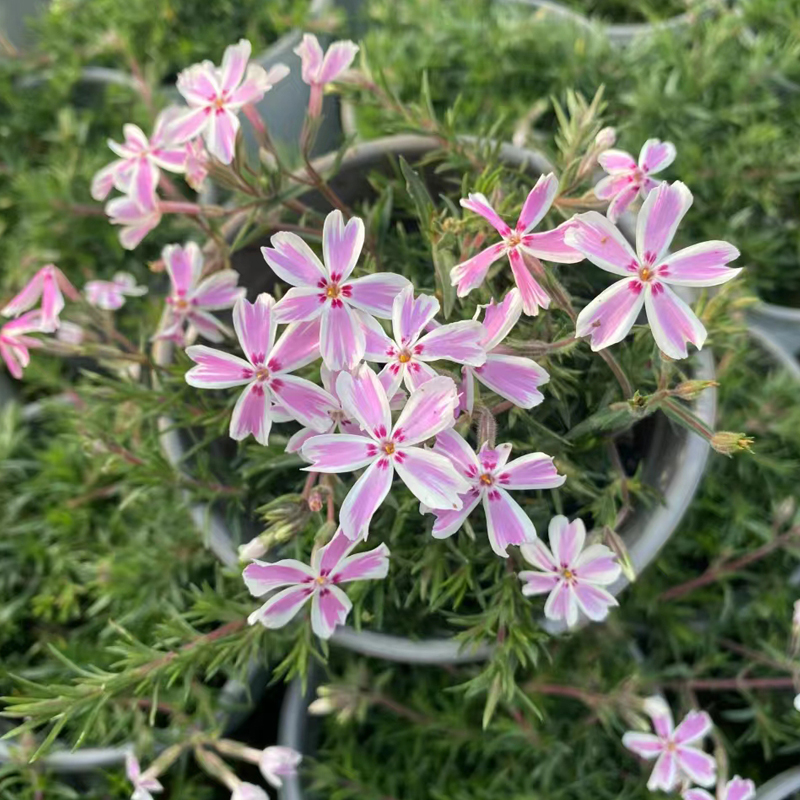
(796, 628)
(70, 333)
(689, 390)
(156, 266)
(784, 512)
(255, 548)
(728, 443)
(315, 500)
(615, 543)
(321, 706)
(605, 138)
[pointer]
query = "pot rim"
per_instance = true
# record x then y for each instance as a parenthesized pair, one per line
(621, 33)
(650, 529)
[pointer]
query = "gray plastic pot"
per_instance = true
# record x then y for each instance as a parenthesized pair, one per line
(674, 464)
(236, 699)
(619, 33)
(282, 108)
(781, 325)
(781, 787)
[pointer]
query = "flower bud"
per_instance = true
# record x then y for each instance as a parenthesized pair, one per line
(255, 548)
(689, 390)
(315, 501)
(605, 139)
(617, 546)
(728, 443)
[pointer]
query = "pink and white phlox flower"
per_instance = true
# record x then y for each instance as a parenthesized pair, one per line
(215, 95)
(338, 417)
(136, 219)
(49, 285)
(196, 164)
(678, 756)
(735, 789)
(191, 300)
(248, 791)
(110, 295)
(573, 576)
(648, 273)
(408, 355)
(383, 448)
(545, 245)
(138, 169)
(320, 68)
(264, 371)
(626, 178)
(143, 785)
(326, 291)
(15, 342)
(277, 762)
(331, 566)
(490, 476)
(513, 377)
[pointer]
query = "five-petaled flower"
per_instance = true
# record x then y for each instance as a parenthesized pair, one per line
(490, 475)
(144, 786)
(50, 284)
(326, 291)
(513, 377)
(15, 342)
(331, 566)
(678, 757)
(338, 416)
(573, 577)
(264, 372)
(215, 96)
(382, 449)
(191, 301)
(277, 762)
(547, 245)
(136, 218)
(137, 170)
(735, 789)
(318, 69)
(110, 295)
(626, 178)
(407, 356)
(647, 273)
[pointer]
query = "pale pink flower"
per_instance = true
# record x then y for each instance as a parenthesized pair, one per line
(490, 475)
(137, 219)
(248, 791)
(196, 164)
(15, 343)
(265, 371)
(70, 333)
(191, 300)
(408, 355)
(331, 566)
(278, 762)
(319, 69)
(626, 178)
(110, 295)
(50, 285)
(338, 416)
(735, 789)
(215, 96)
(547, 245)
(143, 785)
(572, 576)
(647, 273)
(678, 757)
(326, 291)
(138, 169)
(382, 449)
(513, 377)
